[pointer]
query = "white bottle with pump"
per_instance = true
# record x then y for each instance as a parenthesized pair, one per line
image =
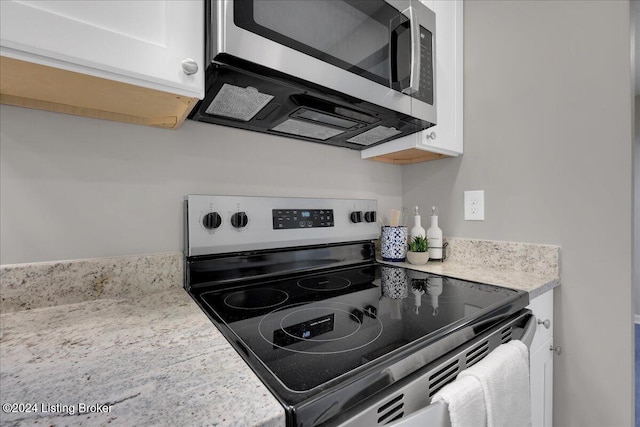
(434, 236)
(417, 229)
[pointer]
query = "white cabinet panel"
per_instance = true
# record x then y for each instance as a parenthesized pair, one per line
(541, 362)
(137, 42)
(449, 61)
(542, 385)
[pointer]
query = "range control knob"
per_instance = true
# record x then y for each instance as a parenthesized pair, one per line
(356, 216)
(239, 219)
(370, 216)
(211, 220)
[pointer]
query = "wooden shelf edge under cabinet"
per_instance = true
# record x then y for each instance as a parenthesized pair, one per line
(407, 157)
(31, 85)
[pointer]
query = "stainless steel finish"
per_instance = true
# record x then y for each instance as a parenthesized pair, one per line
(431, 135)
(251, 47)
(556, 349)
(413, 399)
(414, 82)
(189, 66)
(546, 323)
(529, 332)
(259, 233)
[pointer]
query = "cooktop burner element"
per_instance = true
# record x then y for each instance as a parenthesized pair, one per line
(324, 283)
(256, 299)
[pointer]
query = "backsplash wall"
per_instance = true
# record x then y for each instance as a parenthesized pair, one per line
(74, 188)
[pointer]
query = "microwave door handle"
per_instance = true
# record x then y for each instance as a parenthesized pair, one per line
(414, 22)
(394, 24)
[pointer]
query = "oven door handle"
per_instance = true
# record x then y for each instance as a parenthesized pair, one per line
(529, 331)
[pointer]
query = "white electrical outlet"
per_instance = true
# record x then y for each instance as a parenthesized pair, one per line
(474, 205)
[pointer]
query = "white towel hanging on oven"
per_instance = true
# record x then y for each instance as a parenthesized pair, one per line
(465, 400)
(504, 377)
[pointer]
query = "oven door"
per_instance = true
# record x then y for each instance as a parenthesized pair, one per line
(380, 51)
(408, 404)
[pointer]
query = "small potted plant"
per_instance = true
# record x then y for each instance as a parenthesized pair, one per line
(417, 253)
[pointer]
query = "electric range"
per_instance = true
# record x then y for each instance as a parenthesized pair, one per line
(293, 285)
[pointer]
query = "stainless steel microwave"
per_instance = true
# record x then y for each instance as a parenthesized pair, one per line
(351, 73)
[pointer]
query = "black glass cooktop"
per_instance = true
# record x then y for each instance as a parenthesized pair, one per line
(307, 332)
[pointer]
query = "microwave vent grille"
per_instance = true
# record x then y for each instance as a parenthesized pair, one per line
(374, 135)
(309, 130)
(238, 103)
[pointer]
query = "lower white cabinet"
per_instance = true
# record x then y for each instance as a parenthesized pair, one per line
(541, 373)
(541, 362)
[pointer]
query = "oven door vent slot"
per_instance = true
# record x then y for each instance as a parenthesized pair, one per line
(477, 354)
(506, 334)
(443, 376)
(391, 410)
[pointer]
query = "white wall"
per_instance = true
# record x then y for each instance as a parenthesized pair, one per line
(547, 125)
(73, 187)
(636, 216)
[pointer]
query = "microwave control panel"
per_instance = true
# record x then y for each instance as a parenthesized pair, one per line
(425, 93)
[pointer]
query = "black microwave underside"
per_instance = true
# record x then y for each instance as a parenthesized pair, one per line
(244, 95)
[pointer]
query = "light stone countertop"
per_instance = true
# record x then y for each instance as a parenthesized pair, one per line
(122, 332)
(154, 360)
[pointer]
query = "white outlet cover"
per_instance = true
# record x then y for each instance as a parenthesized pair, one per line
(474, 205)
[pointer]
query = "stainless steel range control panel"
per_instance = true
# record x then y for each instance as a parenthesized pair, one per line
(224, 224)
(302, 218)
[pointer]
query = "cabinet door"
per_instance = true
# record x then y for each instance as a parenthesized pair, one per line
(541, 361)
(446, 136)
(541, 377)
(137, 42)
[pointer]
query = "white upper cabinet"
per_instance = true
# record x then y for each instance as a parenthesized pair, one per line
(446, 137)
(138, 42)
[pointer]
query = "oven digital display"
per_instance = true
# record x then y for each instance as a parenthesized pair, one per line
(286, 219)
